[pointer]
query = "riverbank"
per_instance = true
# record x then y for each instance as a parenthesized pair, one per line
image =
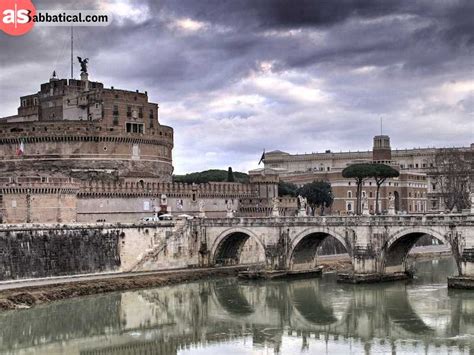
(27, 297)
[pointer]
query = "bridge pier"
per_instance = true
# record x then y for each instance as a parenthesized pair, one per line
(466, 278)
(368, 268)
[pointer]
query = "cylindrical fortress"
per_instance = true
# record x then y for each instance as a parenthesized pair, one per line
(81, 130)
(84, 150)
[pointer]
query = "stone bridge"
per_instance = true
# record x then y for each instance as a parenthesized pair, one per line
(378, 245)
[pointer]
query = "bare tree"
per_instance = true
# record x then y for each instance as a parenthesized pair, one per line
(452, 173)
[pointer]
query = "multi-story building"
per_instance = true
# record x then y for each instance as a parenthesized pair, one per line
(415, 190)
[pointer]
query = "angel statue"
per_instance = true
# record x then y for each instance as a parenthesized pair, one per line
(83, 63)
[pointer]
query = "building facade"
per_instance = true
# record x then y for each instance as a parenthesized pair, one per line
(415, 190)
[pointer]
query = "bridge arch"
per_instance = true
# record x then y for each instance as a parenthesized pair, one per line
(227, 247)
(305, 245)
(397, 247)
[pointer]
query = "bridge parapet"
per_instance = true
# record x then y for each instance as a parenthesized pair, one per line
(399, 220)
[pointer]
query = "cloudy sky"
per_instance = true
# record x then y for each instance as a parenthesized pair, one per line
(233, 77)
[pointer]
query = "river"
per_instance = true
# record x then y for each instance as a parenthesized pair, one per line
(227, 316)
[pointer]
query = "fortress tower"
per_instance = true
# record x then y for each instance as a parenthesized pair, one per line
(79, 129)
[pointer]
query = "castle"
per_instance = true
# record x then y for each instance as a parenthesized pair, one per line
(79, 152)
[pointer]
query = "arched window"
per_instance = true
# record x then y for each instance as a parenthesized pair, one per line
(349, 194)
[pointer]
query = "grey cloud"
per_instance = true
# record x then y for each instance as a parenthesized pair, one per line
(372, 58)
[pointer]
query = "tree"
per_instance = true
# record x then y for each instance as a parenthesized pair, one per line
(318, 194)
(210, 176)
(453, 172)
(230, 175)
(359, 172)
(380, 173)
(287, 189)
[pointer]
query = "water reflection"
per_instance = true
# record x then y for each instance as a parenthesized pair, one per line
(229, 316)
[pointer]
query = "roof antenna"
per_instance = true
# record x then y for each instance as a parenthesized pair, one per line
(381, 125)
(72, 53)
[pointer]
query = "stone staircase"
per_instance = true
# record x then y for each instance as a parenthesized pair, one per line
(180, 229)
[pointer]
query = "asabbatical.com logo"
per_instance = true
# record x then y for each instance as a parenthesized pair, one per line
(16, 16)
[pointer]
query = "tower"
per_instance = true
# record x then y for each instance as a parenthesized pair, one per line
(381, 151)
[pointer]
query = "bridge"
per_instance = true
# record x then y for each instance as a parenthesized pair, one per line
(377, 245)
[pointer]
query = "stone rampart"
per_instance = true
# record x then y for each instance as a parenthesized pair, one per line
(40, 250)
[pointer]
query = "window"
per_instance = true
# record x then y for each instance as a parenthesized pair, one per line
(140, 112)
(116, 111)
(349, 206)
(370, 194)
(134, 127)
(349, 194)
(129, 111)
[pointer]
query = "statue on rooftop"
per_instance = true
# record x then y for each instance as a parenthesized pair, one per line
(83, 63)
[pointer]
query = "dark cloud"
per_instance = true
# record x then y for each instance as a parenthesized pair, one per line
(234, 77)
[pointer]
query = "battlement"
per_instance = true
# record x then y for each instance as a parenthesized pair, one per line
(178, 190)
(42, 131)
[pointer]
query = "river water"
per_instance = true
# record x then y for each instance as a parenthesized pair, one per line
(227, 316)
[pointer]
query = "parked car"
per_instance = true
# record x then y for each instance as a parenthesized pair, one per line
(166, 217)
(150, 219)
(185, 216)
